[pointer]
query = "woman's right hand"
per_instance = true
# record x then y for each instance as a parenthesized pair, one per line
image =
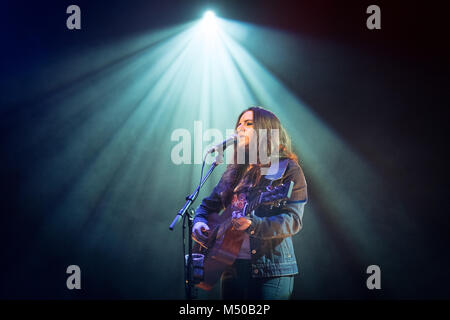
(200, 231)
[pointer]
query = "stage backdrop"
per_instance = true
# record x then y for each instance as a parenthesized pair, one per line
(92, 97)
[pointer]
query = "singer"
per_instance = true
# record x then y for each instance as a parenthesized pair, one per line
(265, 265)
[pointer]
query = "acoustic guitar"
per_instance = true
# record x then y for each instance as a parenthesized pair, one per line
(224, 241)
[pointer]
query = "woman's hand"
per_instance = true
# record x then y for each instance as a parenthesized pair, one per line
(200, 232)
(239, 221)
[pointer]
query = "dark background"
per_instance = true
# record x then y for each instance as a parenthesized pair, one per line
(402, 131)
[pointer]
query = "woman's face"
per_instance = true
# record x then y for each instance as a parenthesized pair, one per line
(245, 129)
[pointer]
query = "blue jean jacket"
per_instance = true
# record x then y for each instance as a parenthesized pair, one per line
(271, 230)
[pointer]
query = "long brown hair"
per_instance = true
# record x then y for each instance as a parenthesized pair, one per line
(238, 176)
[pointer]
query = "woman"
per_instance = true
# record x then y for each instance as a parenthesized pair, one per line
(266, 263)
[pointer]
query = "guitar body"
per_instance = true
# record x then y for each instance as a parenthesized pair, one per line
(223, 246)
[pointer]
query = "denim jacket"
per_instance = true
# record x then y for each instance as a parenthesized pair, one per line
(271, 230)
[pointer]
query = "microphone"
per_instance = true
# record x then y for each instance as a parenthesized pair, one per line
(222, 146)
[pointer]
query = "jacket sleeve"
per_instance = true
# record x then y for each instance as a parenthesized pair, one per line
(210, 204)
(289, 219)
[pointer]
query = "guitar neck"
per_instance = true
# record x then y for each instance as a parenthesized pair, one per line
(280, 193)
(253, 204)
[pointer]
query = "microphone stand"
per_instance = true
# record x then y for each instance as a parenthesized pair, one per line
(188, 269)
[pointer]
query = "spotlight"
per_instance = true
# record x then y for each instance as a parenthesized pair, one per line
(209, 23)
(209, 15)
